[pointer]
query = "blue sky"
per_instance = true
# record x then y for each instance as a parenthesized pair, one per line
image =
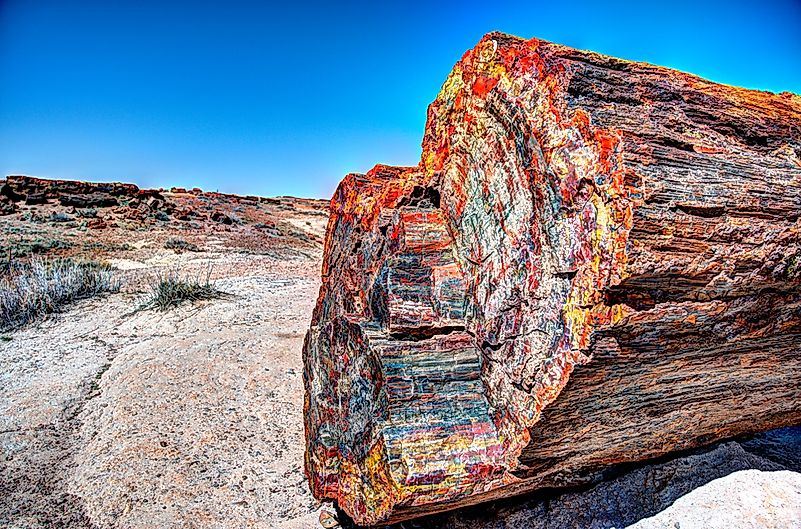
(267, 99)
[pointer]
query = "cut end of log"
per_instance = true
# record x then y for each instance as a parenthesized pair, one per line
(417, 422)
(459, 296)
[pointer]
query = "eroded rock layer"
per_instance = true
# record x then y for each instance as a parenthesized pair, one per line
(567, 206)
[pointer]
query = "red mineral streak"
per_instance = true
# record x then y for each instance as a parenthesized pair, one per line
(483, 85)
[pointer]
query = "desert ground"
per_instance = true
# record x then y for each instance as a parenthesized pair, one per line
(116, 417)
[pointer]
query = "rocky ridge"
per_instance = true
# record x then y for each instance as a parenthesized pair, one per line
(64, 217)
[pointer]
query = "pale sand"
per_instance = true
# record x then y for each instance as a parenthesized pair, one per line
(191, 418)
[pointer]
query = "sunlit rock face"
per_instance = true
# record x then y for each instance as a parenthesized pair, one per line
(559, 193)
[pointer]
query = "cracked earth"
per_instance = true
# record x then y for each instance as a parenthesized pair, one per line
(112, 417)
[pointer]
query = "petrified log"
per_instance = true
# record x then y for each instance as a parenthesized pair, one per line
(596, 261)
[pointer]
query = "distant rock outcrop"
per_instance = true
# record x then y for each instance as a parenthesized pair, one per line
(80, 195)
(89, 200)
(7, 205)
(24, 186)
(596, 261)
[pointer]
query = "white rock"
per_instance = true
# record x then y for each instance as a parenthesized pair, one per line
(742, 500)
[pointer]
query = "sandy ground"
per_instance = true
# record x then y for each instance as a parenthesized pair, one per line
(191, 418)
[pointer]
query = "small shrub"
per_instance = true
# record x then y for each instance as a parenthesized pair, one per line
(45, 286)
(18, 230)
(60, 217)
(89, 213)
(47, 245)
(270, 228)
(107, 246)
(160, 215)
(27, 247)
(180, 245)
(170, 290)
(32, 216)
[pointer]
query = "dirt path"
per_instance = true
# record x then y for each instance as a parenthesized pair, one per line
(191, 418)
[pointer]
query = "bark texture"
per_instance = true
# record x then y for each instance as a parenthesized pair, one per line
(596, 261)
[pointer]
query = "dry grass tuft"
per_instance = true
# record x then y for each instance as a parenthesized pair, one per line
(171, 289)
(181, 245)
(44, 286)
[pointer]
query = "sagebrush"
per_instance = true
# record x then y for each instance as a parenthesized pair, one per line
(181, 245)
(171, 289)
(44, 286)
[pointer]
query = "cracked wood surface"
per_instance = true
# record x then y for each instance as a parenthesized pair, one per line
(596, 261)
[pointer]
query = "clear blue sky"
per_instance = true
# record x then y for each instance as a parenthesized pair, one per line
(287, 98)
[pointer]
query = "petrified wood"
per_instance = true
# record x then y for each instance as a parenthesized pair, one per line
(596, 261)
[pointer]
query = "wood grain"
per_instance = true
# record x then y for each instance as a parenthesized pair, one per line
(596, 261)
